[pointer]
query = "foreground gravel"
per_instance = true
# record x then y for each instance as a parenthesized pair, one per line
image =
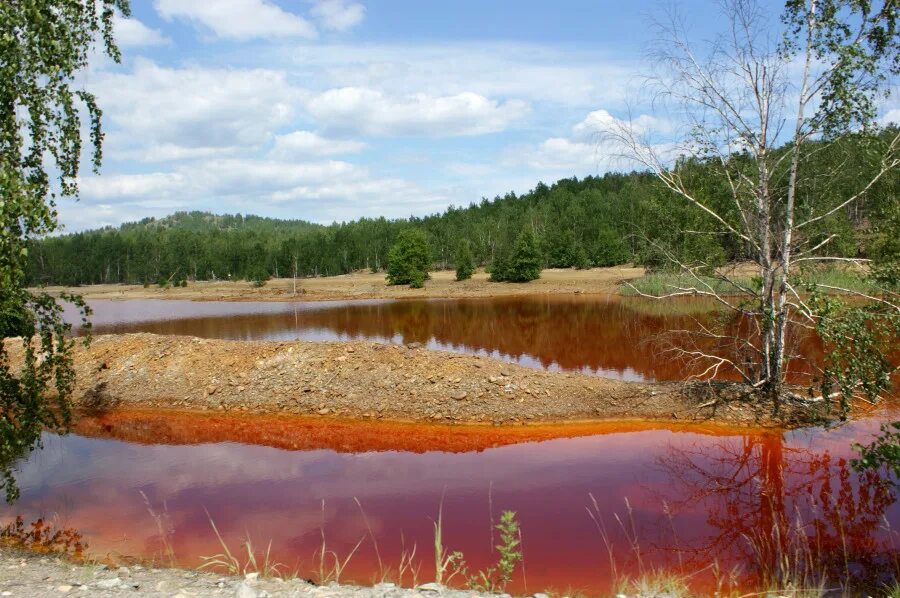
(32, 575)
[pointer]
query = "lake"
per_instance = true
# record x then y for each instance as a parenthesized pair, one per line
(596, 502)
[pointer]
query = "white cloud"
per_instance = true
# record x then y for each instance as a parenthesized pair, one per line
(321, 191)
(492, 69)
(891, 116)
(371, 112)
(238, 19)
(588, 149)
(338, 15)
(171, 114)
(131, 33)
(307, 143)
(601, 121)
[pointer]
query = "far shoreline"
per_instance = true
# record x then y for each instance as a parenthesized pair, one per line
(368, 285)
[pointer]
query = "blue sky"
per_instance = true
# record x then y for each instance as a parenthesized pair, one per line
(330, 110)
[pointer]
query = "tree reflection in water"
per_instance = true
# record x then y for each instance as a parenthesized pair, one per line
(781, 515)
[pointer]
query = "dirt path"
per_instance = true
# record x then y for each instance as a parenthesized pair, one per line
(372, 381)
(365, 285)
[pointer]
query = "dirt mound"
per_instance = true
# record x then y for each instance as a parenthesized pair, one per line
(375, 381)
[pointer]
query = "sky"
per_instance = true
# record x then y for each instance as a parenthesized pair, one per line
(331, 110)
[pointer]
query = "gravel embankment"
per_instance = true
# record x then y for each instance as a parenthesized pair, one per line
(368, 380)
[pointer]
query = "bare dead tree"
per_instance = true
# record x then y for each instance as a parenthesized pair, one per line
(757, 108)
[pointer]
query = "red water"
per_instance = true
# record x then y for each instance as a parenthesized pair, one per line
(693, 497)
(141, 484)
(604, 335)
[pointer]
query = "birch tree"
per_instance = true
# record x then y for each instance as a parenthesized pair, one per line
(44, 44)
(760, 106)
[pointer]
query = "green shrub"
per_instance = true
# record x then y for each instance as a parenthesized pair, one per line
(258, 276)
(611, 249)
(409, 259)
(465, 263)
(582, 262)
(523, 265)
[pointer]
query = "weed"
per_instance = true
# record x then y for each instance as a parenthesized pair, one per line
(164, 527)
(448, 565)
(232, 565)
(333, 573)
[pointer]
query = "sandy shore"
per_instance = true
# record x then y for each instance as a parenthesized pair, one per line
(365, 285)
(365, 380)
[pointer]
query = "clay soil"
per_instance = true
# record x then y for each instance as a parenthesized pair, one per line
(364, 380)
(365, 285)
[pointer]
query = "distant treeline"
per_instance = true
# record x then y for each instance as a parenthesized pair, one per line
(595, 221)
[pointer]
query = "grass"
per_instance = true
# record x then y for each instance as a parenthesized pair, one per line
(788, 561)
(662, 283)
(831, 278)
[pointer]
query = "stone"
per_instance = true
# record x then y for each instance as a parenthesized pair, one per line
(245, 591)
(252, 576)
(540, 595)
(415, 345)
(123, 571)
(460, 396)
(64, 588)
(430, 587)
(324, 411)
(108, 584)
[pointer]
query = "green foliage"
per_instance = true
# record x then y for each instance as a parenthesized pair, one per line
(581, 262)
(465, 263)
(524, 264)
(495, 578)
(44, 44)
(884, 451)
(885, 246)
(409, 259)
(610, 218)
(610, 249)
(858, 340)
(258, 276)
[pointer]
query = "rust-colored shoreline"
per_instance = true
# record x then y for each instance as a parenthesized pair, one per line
(372, 381)
(300, 432)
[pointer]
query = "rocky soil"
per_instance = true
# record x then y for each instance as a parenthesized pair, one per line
(38, 576)
(374, 381)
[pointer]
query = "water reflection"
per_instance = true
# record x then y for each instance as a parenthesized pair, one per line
(785, 512)
(607, 336)
(720, 491)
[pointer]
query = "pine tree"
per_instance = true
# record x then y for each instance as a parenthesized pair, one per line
(409, 259)
(465, 263)
(525, 262)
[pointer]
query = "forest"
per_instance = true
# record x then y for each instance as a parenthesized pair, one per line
(603, 220)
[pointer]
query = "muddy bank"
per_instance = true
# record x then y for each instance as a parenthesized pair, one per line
(373, 381)
(366, 285)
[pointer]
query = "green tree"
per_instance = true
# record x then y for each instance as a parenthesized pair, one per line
(409, 259)
(524, 264)
(44, 44)
(465, 263)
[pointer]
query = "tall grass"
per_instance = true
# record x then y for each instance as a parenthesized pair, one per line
(830, 279)
(787, 560)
